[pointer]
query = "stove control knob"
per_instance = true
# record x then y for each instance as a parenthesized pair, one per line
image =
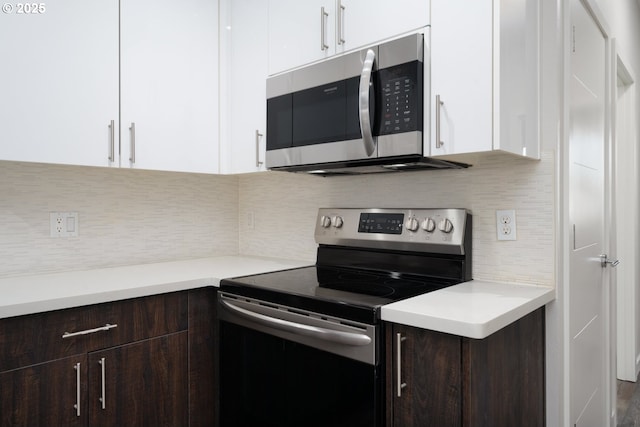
(445, 226)
(338, 221)
(429, 225)
(412, 224)
(325, 221)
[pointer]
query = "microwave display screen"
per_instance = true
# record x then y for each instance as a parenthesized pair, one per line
(382, 223)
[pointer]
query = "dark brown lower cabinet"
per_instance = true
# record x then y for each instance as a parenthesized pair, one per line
(156, 368)
(145, 384)
(441, 380)
(43, 394)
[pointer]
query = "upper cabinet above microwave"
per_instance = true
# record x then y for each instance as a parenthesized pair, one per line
(485, 79)
(301, 32)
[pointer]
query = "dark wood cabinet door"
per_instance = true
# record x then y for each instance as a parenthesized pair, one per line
(430, 368)
(504, 376)
(145, 383)
(45, 394)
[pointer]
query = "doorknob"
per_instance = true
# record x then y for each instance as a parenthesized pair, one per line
(604, 261)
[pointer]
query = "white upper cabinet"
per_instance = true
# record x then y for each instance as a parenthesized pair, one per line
(72, 69)
(301, 32)
(243, 85)
(169, 85)
(362, 22)
(59, 79)
(484, 69)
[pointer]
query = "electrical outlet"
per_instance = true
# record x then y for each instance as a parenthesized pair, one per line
(506, 224)
(251, 220)
(63, 224)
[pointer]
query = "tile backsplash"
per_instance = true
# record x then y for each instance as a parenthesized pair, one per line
(133, 217)
(284, 207)
(124, 217)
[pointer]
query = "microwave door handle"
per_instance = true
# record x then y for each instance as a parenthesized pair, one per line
(365, 121)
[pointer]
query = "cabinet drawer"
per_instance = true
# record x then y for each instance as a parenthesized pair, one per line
(26, 340)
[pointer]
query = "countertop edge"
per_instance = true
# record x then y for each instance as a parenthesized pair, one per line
(473, 309)
(24, 295)
(480, 308)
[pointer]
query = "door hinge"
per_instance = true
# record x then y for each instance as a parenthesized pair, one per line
(573, 39)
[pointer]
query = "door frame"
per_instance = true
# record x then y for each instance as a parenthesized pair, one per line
(626, 291)
(558, 374)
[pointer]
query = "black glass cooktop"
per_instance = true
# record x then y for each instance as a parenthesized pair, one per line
(350, 293)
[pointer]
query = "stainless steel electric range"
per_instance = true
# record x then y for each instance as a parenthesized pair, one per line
(305, 346)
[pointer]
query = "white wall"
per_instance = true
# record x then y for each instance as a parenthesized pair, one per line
(125, 217)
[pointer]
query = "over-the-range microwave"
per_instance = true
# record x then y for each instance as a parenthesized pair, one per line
(360, 112)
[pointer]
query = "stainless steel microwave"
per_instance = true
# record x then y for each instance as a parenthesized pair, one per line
(357, 113)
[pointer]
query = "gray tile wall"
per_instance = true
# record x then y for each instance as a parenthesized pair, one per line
(125, 217)
(130, 216)
(285, 205)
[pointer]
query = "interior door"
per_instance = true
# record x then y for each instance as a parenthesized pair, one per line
(587, 143)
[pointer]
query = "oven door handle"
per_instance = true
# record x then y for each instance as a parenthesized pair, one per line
(340, 337)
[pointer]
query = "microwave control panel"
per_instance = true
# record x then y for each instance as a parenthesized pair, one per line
(401, 103)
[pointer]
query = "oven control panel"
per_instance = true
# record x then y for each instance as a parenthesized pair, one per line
(423, 230)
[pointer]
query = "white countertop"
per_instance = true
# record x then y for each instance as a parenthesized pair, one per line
(473, 309)
(45, 292)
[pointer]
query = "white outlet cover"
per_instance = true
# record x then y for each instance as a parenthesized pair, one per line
(63, 224)
(506, 224)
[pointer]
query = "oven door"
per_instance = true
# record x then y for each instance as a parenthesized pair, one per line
(268, 377)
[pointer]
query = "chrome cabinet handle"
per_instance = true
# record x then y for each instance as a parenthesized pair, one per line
(299, 328)
(132, 128)
(323, 39)
(365, 121)
(102, 391)
(112, 141)
(341, 10)
(106, 327)
(399, 384)
(77, 405)
(439, 104)
(258, 136)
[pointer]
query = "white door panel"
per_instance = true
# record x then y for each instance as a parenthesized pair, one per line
(587, 137)
(585, 359)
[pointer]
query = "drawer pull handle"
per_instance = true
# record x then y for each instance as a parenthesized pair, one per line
(89, 331)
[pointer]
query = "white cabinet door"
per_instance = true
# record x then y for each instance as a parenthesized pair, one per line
(299, 33)
(516, 97)
(169, 85)
(59, 79)
(364, 22)
(461, 76)
(244, 69)
(485, 71)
